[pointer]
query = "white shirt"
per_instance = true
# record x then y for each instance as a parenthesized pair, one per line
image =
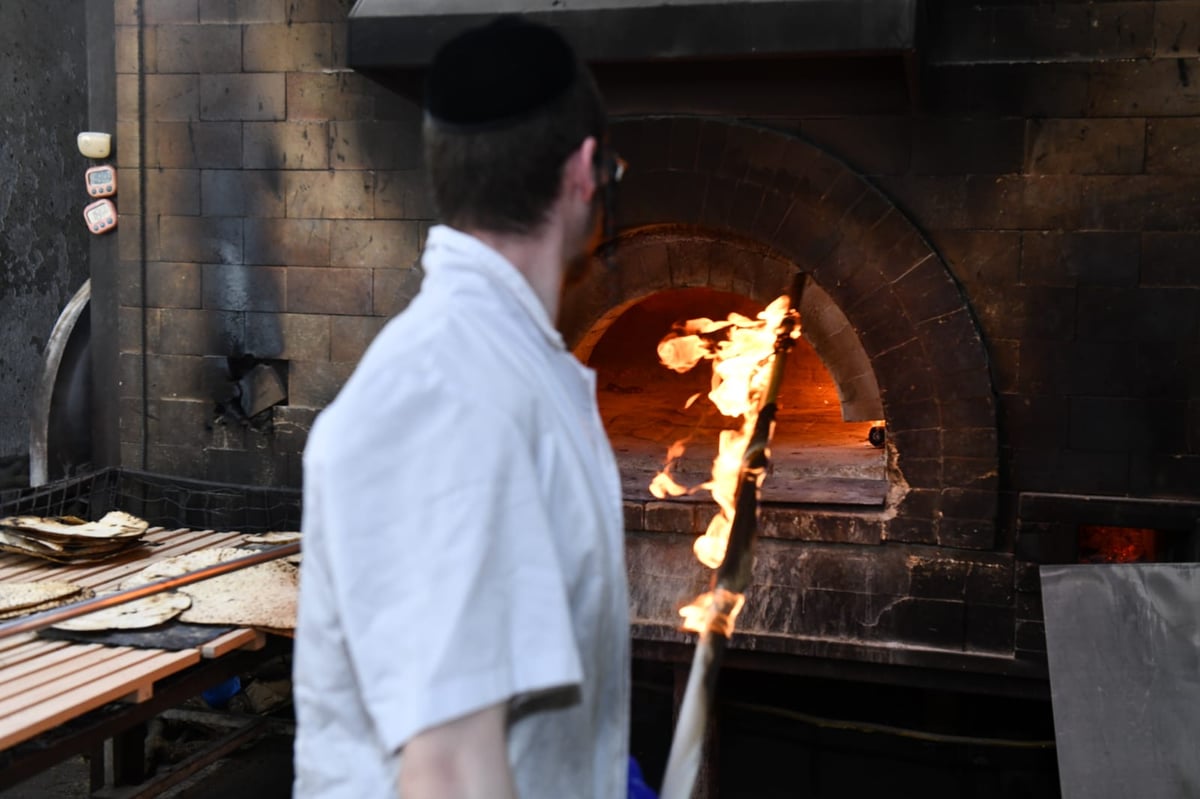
(463, 546)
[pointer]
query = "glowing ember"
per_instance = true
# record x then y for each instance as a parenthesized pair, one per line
(742, 351)
(1117, 544)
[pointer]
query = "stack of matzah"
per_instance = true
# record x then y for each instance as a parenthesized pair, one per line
(21, 599)
(67, 539)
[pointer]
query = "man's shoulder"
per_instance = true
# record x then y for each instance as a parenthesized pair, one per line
(413, 379)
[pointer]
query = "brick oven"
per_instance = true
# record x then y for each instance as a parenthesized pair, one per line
(731, 210)
(995, 205)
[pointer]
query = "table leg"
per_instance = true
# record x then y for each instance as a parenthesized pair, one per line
(129, 756)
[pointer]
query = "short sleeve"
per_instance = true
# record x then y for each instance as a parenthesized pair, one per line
(445, 574)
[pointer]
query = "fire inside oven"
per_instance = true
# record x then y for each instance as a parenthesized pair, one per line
(819, 456)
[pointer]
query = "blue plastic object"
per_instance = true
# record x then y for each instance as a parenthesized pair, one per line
(219, 695)
(638, 789)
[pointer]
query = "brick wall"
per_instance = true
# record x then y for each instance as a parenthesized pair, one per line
(1072, 223)
(1051, 159)
(284, 212)
(1046, 152)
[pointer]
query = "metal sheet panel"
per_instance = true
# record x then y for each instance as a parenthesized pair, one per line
(419, 8)
(388, 34)
(1123, 643)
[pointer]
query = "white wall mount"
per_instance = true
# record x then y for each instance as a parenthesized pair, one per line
(94, 144)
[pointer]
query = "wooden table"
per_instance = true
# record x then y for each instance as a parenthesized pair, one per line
(44, 683)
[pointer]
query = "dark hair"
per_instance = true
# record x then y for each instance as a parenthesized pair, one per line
(504, 178)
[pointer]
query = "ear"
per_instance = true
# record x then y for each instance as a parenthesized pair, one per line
(579, 174)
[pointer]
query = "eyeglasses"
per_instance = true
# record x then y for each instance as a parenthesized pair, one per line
(612, 168)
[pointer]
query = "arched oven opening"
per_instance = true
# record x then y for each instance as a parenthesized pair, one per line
(823, 451)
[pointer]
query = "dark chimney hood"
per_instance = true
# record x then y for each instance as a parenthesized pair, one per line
(399, 34)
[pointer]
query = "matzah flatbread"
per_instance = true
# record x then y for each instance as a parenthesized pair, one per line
(22, 544)
(273, 538)
(83, 594)
(258, 596)
(15, 596)
(182, 564)
(116, 524)
(147, 612)
(15, 539)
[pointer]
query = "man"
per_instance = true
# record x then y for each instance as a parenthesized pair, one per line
(463, 625)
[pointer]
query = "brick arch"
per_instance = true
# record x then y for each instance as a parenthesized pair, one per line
(789, 202)
(661, 259)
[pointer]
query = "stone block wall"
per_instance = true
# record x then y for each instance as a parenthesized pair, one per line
(284, 210)
(1070, 220)
(1046, 156)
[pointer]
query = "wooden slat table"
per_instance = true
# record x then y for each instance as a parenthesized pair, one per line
(44, 683)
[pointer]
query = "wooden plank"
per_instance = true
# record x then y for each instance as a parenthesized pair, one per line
(34, 649)
(44, 660)
(15, 641)
(17, 694)
(104, 688)
(44, 683)
(252, 640)
(35, 569)
(14, 567)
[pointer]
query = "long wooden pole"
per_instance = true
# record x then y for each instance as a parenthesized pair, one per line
(730, 582)
(48, 618)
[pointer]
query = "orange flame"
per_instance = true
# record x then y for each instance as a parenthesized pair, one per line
(742, 351)
(714, 610)
(663, 484)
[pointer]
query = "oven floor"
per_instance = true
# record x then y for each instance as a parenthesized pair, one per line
(816, 457)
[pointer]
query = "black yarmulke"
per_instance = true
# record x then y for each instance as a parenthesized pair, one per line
(498, 73)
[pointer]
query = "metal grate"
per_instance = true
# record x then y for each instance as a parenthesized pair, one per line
(161, 500)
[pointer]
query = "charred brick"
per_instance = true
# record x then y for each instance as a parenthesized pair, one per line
(1085, 146)
(874, 145)
(986, 257)
(229, 287)
(990, 629)
(668, 517)
(1169, 259)
(966, 533)
(928, 622)
(1030, 636)
(284, 336)
(911, 530)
